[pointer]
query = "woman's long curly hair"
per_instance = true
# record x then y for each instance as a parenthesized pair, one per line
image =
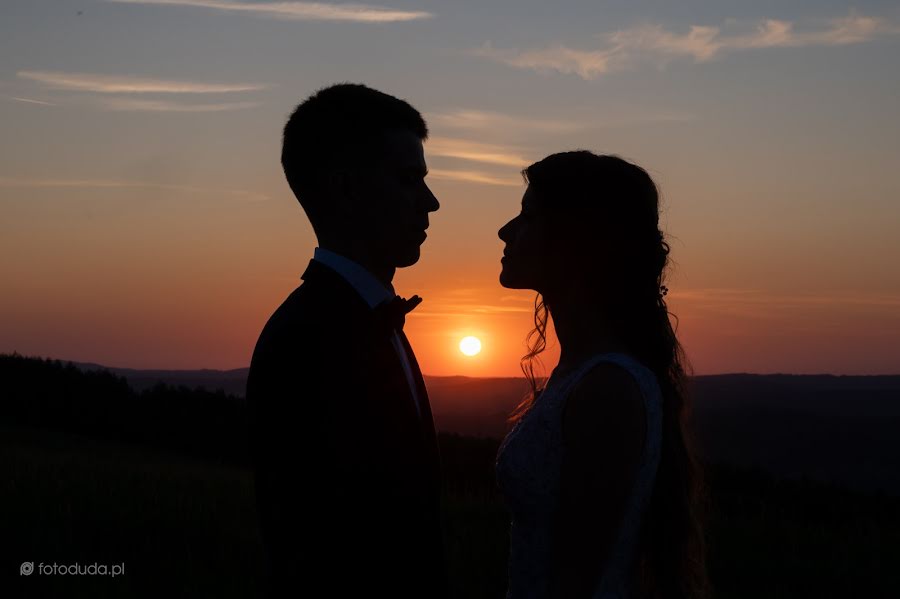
(603, 195)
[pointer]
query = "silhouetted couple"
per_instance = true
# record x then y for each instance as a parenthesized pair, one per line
(596, 472)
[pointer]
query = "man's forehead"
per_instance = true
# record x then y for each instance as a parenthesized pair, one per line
(403, 147)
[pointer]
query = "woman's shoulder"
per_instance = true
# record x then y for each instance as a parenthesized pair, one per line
(605, 393)
(611, 388)
(604, 429)
(617, 371)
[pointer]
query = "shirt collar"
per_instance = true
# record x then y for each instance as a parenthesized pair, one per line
(369, 288)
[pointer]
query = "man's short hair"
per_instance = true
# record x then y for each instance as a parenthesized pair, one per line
(341, 126)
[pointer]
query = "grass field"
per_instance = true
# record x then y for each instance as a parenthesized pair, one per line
(186, 527)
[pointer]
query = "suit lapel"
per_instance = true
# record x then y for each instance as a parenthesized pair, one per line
(419, 381)
(358, 316)
(357, 321)
(427, 418)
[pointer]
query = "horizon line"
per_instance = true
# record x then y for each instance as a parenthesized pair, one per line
(434, 376)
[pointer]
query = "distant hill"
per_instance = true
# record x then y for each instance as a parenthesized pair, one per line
(835, 428)
(232, 382)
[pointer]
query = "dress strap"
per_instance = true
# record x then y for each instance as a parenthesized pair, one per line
(644, 377)
(650, 393)
(613, 583)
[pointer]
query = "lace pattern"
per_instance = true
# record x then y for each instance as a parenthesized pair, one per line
(528, 469)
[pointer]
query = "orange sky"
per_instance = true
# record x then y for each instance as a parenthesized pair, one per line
(146, 222)
(179, 285)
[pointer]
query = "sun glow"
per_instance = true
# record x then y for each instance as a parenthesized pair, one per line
(470, 346)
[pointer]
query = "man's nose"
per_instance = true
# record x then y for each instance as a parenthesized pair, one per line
(431, 202)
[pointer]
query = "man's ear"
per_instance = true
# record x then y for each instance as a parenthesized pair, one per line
(343, 193)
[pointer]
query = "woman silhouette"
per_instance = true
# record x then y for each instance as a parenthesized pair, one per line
(597, 472)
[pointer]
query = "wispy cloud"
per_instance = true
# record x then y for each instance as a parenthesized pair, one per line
(113, 84)
(586, 63)
(299, 11)
(119, 184)
(130, 104)
(747, 313)
(30, 101)
(495, 122)
(455, 311)
(627, 48)
(479, 120)
(766, 306)
(517, 298)
(473, 177)
(470, 302)
(476, 151)
(766, 298)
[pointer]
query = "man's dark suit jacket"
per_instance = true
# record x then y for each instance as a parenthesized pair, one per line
(347, 474)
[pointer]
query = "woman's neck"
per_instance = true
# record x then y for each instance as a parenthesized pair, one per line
(582, 331)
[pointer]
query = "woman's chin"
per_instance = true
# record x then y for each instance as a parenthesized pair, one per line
(510, 282)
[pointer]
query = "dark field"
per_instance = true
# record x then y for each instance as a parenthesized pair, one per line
(96, 469)
(185, 527)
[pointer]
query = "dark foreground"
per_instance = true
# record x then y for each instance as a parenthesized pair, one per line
(185, 527)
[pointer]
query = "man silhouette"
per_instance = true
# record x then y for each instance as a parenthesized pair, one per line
(346, 464)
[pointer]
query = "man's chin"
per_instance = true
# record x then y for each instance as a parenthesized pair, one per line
(408, 258)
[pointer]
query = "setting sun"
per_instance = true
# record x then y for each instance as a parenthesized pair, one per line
(470, 346)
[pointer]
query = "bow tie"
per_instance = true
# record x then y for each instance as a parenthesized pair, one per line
(390, 315)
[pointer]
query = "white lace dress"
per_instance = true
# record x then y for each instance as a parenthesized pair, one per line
(528, 473)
